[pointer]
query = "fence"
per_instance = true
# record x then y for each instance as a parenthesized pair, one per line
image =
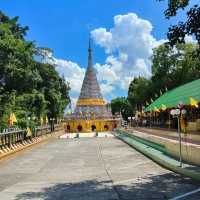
(7, 139)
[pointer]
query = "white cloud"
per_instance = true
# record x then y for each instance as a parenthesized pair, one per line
(72, 72)
(142, 68)
(105, 73)
(73, 102)
(106, 89)
(129, 45)
(190, 39)
(104, 38)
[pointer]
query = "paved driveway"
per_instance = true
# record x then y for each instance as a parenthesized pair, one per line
(88, 169)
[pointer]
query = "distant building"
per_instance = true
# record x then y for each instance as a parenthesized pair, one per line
(91, 112)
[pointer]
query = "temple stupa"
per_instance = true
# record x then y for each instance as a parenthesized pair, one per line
(91, 112)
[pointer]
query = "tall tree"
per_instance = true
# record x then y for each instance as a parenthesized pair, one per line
(138, 92)
(174, 66)
(27, 87)
(120, 105)
(171, 67)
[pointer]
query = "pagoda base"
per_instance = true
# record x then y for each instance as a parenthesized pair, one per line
(87, 135)
(90, 125)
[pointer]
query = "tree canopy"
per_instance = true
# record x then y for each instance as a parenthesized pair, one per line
(120, 105)
(171, 67)
(190, 26)
(138, 91)
(27, 87)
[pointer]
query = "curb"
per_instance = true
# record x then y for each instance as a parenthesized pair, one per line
(160, 157)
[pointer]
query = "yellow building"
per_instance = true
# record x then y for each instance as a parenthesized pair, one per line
(91, 112)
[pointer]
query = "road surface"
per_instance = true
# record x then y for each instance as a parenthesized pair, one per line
(88, 169)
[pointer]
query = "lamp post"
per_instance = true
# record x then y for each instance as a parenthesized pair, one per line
(130, 120)
(120, 112)
(177, 114)
(34, 124)
(52, 123)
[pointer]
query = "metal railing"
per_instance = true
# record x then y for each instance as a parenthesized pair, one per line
(7, 139)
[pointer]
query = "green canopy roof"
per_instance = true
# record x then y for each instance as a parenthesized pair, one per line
(173, 97)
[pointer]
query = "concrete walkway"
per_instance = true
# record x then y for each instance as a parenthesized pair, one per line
(88, 169)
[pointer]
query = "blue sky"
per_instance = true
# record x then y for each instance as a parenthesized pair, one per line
(64, 26)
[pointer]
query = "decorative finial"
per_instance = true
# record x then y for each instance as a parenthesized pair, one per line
(90, 63)
(90, 40)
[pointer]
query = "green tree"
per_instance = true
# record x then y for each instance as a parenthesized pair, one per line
(27, 87)
(190, 26)
(139, 92)
(120, 105)
(55, 90)
(173, 66)
(7, 106)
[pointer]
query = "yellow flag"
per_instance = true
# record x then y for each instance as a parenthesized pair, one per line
(164, 107)
(138, 112)
(10, 121)
(29, 133)
(46, 120)
(193, 102)
(41, 120)
(156, 109)
(13, 117)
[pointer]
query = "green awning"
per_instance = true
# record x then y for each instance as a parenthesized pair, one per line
(180, 94)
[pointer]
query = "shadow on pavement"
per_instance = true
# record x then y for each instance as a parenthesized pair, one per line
(153, 187)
